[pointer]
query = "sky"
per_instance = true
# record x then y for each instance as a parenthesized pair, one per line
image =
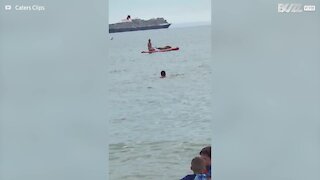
(174, 11)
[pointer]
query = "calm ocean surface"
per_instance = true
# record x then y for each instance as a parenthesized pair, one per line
(158, 125)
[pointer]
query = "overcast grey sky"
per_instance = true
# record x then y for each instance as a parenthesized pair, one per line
(175, 11)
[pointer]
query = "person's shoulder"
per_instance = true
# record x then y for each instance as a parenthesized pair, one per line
(189, 177)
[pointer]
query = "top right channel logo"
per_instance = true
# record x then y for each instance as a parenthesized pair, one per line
(295, 8)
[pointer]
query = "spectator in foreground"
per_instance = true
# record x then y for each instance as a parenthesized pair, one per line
(199, 169)
(205, 154)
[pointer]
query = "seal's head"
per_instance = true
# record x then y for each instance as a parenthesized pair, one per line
(163, 74)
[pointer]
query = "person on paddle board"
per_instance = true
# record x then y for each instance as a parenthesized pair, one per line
(150, 48)
(163, 48)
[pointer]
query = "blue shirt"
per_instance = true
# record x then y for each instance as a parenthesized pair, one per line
(201, 177)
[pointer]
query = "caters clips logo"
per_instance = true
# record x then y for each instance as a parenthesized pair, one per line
(295, 8)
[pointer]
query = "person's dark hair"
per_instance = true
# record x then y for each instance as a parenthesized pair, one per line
(197, 165)
(128, 17)
(206, 151)
(163, 74)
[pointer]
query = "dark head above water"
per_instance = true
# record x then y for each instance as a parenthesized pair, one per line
(163, 74)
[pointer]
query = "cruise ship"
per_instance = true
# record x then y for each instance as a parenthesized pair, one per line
(138, 25)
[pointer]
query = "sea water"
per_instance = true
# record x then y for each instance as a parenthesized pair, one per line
(157, 125)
